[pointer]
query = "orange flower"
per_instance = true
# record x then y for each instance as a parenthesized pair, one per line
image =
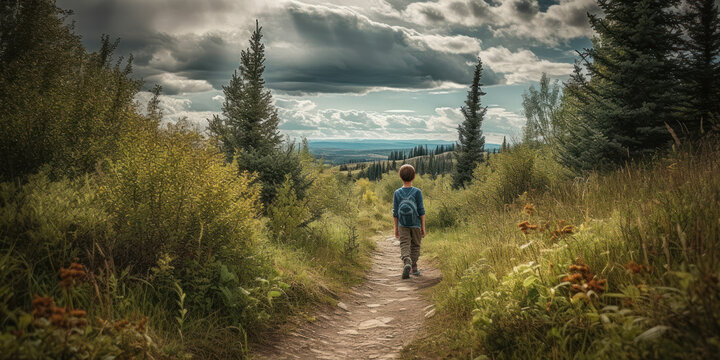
(72, 274)
(581, 279)
(120, 324)
(42, 307)
(562, 230)
(141, 324)
(529, 209)
(78, 313)
(526, 225)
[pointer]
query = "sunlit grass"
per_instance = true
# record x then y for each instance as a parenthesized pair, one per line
(557, 272)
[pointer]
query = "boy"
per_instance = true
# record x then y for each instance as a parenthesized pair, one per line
(409, 214)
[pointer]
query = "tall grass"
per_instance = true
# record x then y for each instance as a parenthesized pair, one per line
(618, 265)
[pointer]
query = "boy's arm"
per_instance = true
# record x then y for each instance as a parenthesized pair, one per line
(421, 212)
(397, 233)
(395, 210)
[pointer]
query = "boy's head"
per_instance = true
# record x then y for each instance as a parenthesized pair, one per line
(407, 173)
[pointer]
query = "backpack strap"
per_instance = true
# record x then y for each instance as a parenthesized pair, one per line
(409, 195)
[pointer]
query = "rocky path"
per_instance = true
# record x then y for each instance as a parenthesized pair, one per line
(374, 321)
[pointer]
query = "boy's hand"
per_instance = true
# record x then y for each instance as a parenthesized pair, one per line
(397, 233)
(422, 231)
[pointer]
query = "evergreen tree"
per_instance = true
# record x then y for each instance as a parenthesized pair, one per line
(701, 73)
(248, 129)
(581, 145)
(471, 139)
(249, 120)
(633, 87)
(503, 146)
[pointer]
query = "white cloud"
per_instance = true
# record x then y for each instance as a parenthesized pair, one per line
(174, 83)
(507, 18)
(347, 124)
(175, 108)
(501, 120)
(295, 104)
(218, 98)
(456, 44)
(521, 66)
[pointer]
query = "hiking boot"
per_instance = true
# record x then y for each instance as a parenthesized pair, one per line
(415, 272)
(406, 271)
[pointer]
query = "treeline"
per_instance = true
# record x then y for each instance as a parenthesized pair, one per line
(431, 164)
(420, 151)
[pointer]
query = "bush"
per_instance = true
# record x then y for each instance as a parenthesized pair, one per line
(46, 225)
(507, 175)
(172, 195)
(270, 170)
(288, 215)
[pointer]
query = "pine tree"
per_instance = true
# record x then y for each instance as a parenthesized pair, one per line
(471, 139)
(701, 73)
(504, 146)
(249, 119)
(248, 128)
(580, 145)
(633, 90)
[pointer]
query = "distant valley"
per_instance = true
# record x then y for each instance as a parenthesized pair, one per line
(349, 150)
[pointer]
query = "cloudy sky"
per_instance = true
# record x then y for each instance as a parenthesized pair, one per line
(348, 69)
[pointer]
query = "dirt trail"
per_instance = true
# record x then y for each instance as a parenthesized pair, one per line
(374, 321)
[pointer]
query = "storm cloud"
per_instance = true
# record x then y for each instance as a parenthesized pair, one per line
(417, 53)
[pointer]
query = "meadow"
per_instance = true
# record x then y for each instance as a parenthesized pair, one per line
(540, 264)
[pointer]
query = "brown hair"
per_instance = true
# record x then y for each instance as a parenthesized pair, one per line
(407, 172)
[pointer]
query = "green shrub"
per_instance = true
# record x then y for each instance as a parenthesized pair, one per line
(507, 175)
(46, 225)
(171, 194)
(288, 215)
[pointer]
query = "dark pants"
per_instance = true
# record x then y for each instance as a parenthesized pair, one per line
(409, 244)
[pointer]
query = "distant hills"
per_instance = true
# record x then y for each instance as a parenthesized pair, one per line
(351, 150)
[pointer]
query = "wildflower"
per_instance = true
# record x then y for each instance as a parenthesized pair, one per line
(581, 279)
(526, 225)
(529, 209)
(634, 267)
(120, 324)
(42, 307)
(72, 274)
(78, 313)
(141, 324)
(562, 230)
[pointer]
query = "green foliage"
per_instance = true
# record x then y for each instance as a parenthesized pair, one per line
(171, 195)
(45, 225)
(60, 106)
(247, 130)
(30, 339)
(288, 214)
(645, 233)
(271, 170)
(250, 120)
(510, 174)
(471, 145)
(701, 24)
(631, 94)
(540, 107)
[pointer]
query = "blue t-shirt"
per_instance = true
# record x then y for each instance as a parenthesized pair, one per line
(402, 193)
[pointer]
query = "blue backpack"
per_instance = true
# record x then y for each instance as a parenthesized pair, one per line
(407, 209)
